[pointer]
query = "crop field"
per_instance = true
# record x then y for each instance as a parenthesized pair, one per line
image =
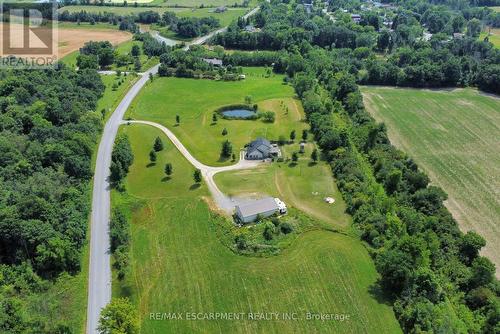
(196, 100)
(179, 264)
(72, 37)
(455, 137)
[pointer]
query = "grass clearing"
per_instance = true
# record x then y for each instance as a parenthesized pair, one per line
(111, 98)
(179, 264)
(303, 186)
(455, 137)
(196, 100)
(493, 35)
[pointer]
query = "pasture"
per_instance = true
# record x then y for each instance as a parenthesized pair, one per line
(179, 264)
(196, 100)
(454, 135)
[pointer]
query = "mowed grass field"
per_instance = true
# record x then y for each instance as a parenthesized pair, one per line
(178, 263)
(196, 100)
(455, 137)
(303, 185)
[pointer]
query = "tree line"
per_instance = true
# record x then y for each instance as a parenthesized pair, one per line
(398, 55)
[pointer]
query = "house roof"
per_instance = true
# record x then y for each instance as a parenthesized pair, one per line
(259, 206)
(260, 141)
(260, 144)
(213, 61)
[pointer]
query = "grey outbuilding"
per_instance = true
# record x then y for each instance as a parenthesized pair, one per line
(265, 207)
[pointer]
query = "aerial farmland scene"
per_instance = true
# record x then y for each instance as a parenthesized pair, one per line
(249, 166)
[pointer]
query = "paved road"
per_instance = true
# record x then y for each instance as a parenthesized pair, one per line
(99, 288)
(224, 202)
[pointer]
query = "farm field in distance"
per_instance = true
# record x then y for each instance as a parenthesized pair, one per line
(180, 264)
(196, 100)
(455, 137)
(72, 37)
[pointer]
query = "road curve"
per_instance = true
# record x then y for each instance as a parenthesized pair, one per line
(224, 202)
(99, 282)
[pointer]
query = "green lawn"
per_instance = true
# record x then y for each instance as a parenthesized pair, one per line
(70, 59)
(195, 101)
(303, 186)
(112, 98)
(125, 48)
(493, 36)
(455, 137)
(179, 264)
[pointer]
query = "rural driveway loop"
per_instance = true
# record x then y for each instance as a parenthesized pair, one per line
(224, 202)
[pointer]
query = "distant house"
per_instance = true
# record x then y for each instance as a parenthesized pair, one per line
(261, 149)
(213, 61)
(264, 207)
(458, 35)
(220, 9)
(251, 28)
(356, 18)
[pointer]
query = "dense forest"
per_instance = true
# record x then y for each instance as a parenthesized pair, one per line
(416, 44)
(48, 131)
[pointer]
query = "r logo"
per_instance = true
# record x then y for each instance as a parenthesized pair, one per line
(28, 35)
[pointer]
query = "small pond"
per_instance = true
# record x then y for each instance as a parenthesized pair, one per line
(238, 113)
